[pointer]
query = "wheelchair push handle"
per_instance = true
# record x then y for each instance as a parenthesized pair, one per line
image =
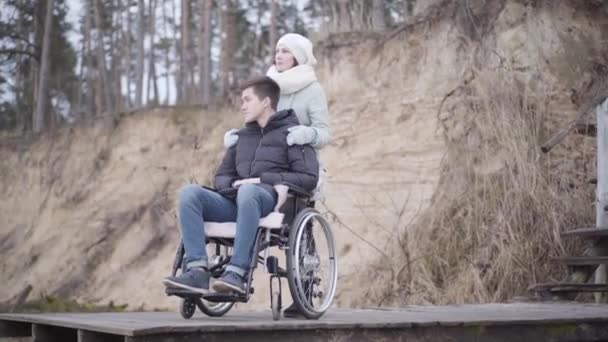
(281, 190)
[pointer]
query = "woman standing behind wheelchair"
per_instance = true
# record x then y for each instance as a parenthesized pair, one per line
(293, 70)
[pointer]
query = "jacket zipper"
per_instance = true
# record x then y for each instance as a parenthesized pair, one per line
(255, 155)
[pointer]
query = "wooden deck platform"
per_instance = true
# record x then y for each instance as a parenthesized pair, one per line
(488, 322)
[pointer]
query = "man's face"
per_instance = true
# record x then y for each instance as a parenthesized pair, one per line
(252, 107)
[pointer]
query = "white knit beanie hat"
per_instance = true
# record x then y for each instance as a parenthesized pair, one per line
(300, 47)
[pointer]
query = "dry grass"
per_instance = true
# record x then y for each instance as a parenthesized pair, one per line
(495, 219)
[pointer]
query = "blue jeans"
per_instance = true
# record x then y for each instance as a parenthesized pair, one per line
(197, 205)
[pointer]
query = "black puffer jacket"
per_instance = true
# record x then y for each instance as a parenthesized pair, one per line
(264, 153)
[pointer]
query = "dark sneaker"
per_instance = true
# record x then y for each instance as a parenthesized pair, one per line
(292, 311)
(229, 282)
(195, 279)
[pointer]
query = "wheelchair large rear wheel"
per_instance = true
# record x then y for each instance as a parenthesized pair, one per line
(312, 264)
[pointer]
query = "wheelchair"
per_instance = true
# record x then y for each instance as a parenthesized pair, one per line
(311, 261)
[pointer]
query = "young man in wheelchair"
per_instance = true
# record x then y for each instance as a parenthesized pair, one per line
(244, 188)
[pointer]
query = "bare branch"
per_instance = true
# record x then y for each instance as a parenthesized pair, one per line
(12, 52)
(337, 218)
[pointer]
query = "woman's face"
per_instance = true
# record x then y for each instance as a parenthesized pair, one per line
(283, 59)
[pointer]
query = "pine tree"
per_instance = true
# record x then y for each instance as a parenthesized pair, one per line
(139, 67)
(39, 114)
(106, 102)
(206, 7)
(21, 44)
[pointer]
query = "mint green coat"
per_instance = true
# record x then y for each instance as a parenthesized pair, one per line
(310, 105)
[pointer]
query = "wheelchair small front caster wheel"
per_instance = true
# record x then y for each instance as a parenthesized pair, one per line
(187, 307)
(275, 303)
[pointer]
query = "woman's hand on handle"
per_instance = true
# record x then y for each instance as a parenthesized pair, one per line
(231, 138)
(301, 135)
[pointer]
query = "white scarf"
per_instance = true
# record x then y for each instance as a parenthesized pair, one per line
(294, 79)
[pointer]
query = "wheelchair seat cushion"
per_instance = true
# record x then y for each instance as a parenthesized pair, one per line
(227, 230)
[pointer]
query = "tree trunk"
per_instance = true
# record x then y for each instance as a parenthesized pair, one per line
(359, 12)
(117, 56)
(274, 18)
(187, 59)
(81, 80)
(127, 60)
(167, 50)
(101, 60)
(89, 110)
(178, 54)
(19, 77)
(257, 33)
(204, 54)
(35, 65)
(378, 22)
(41, 104)
(152, 88)
(408, 11)
(344, 18)
(139, 74)
(229, 27)
(329, 10)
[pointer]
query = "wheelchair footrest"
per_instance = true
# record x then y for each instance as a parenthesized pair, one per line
(225, 297)
(174, 291)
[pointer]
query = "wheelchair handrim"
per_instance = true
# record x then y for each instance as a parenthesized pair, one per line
(333, 264)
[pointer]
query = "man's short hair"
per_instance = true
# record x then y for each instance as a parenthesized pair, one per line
(264, 86)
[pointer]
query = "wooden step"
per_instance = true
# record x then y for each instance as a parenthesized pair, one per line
(588, 129)
(582, 261)
(568, 287)
(587, 232)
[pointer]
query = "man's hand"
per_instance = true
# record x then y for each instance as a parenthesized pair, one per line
(246, 181)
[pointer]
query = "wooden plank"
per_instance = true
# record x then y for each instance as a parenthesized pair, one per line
(568, 287)
(92, 336)
(587, 232)
(15, 329)
(585, 128)
(49, 333)
(582, 261)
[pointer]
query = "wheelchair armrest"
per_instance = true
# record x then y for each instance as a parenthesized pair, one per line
(296, 190)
